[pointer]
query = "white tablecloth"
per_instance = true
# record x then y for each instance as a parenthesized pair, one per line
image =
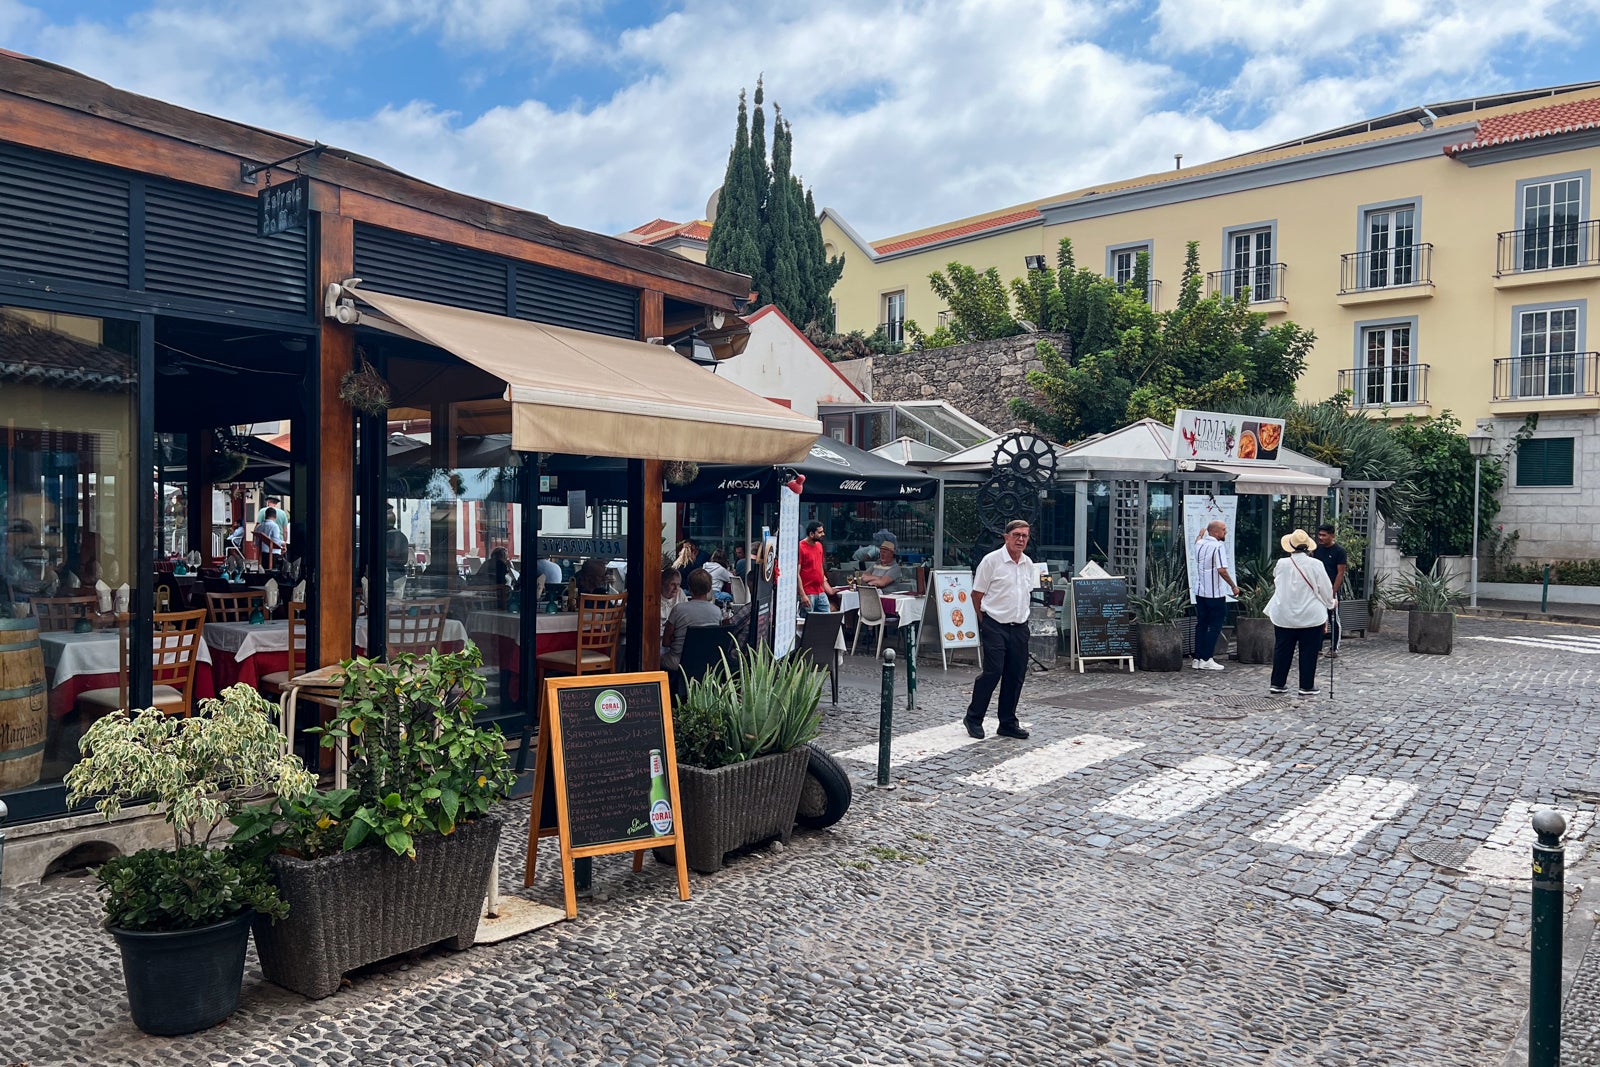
(509, 623)
(245, 639)
(67, 654)
(454, 630)
(909, 608)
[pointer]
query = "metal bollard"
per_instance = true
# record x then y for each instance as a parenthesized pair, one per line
(911, 667)
(886, 718)
(1544, 984)
(4, 811)
(1544, 595)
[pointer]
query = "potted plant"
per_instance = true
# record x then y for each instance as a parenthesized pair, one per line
(741, 736)
(1430, 626)
(182, 918)
(1252, 629)
(1156, 612)
(400, 859)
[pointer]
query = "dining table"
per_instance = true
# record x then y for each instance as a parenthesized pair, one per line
(499, 634)
(75, 663)
(907, 607)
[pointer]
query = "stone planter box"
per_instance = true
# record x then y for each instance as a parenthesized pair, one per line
(738, 805)
(1255, 637)
(1431, 632)
(354, 908)
(1159, 646)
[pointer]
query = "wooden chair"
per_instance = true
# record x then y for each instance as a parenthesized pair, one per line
(819, 644)
(275, 682)
(234, 607)
(63, 612)
(871, 614)
(599, 633)
(416, 625)
(175, 652)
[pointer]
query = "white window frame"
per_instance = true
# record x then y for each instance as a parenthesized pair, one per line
(1249, 259)
(894, 326)
(1556, 240)
(1389, 382)
(1389, 264)
(1548, 351)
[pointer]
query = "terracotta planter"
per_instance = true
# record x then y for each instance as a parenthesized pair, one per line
(738, 805)
(1160, 646)
(1255, 637)
(354, 908)
(1431, 632)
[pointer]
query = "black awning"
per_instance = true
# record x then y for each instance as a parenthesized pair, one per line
(834, 471)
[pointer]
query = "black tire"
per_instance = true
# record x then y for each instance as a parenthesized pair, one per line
(827, 792)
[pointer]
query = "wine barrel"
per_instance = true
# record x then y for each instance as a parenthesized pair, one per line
(23, 710)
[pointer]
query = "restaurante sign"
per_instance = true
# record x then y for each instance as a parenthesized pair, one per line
(1214, 437)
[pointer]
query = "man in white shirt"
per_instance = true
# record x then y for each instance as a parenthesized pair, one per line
(1002, 593)
(1211, 585)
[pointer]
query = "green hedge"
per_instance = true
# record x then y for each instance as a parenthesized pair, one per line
(1562, 572)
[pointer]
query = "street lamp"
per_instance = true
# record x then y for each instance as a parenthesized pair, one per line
(1479, 441)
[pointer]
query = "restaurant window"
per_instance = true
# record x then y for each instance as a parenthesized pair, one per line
(894, 316)
(68, 508)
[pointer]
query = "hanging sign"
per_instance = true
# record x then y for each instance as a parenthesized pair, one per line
(606, 741)
(284, 208)
(1200, 511)
(1212, 437)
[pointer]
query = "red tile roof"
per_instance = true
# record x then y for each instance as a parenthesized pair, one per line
(657, 230)
(966, 229)
(1527, 125)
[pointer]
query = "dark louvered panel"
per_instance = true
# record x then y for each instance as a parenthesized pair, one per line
(62, 218)
(563, 299)
(389, 262)
(203, 244)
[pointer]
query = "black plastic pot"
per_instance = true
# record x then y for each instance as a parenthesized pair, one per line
(180, 981)
(1431, 632)
(1160, 647)
(1255, 637)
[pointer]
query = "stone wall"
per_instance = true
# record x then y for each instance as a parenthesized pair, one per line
(977, 379)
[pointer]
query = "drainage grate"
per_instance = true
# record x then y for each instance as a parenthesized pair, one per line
(1167, 760)
(1448, 853)
(1106, 699)
(1253, 703)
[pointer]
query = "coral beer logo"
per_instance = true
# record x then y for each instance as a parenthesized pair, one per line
(853, 483)
(661, 817)
(824, 452)
(610, 706)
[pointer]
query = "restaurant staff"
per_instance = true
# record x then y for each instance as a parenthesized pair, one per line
(1002, 592)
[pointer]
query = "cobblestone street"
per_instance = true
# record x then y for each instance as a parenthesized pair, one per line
(1173, 869)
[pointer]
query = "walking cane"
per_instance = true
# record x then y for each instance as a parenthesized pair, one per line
(1331, 656)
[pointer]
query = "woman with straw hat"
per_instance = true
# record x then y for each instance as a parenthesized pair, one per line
(1302, 596)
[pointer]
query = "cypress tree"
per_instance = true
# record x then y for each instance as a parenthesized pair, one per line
(735, 242)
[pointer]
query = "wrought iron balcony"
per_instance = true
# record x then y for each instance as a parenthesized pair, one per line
(1564, 374)
(895, 329)
(1386, 268)
(1562, 244)
(1256, 285)
(1401, 385)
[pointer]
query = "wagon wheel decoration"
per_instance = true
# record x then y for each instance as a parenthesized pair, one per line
(1027, 456)
(1003, 497)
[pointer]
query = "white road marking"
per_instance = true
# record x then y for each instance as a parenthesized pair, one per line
(1180, 790)
(1587, 645)
(1508, 853)
(914, 747)
(1043, 765)
(1339, 816)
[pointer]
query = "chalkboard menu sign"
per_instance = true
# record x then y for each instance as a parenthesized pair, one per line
(1100, 621)
(606, 742)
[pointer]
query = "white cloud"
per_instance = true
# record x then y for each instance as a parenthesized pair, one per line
(906, 113)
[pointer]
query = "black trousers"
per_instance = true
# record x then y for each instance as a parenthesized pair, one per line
(1308, 640)
(1005, 663)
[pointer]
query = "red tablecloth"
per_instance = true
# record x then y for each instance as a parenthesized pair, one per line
(504, 652)
(62, 697)
(250, 670)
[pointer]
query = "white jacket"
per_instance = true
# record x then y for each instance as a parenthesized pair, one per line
(1302, 596)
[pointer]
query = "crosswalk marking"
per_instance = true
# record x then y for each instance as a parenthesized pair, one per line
(1179, 790)
(1508, 854)
(1588, 646)
(1042, 765)
(1336, 818)
(914, 747)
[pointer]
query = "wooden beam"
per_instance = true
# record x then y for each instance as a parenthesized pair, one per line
(651, 316)
(335, 525)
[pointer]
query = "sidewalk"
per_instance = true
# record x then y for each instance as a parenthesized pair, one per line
(1572, 614)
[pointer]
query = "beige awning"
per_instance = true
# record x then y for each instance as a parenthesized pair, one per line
(591, 395)
(1269, 480)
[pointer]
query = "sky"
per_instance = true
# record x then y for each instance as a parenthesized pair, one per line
(905, 114)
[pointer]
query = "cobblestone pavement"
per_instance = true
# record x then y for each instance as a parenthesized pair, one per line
(1172, 870)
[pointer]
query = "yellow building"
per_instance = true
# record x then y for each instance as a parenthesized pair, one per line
(1444, 256)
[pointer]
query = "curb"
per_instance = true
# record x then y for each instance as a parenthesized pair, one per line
(1530, 616)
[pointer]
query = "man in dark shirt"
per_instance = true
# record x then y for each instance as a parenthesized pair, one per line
(1336, 561)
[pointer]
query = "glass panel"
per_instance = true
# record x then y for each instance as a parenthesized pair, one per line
(1378, 250)
(1564, 223)
(67, 506)
(1399, 365)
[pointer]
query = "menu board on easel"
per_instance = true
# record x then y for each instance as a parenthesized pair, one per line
(1100, 626)
(606, 742)
(951, 593)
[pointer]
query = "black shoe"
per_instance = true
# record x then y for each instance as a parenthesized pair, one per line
(974, 727)
(1012, 730)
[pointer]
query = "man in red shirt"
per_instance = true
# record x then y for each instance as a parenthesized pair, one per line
(814, 585)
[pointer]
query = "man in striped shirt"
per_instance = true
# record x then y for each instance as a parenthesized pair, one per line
(1211, 583)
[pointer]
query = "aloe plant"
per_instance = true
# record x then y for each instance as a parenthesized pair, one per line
(1431, 590)
(753, 705)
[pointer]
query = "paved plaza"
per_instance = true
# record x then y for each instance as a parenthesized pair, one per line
(1174, 869)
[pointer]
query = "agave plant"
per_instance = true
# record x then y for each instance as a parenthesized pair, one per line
(1431, 590)
(753, 705)
(1253, 597)
(1164, 599)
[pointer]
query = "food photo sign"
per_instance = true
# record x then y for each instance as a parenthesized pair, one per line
(1213, 437)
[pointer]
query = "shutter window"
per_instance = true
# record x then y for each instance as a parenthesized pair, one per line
(1545, 461)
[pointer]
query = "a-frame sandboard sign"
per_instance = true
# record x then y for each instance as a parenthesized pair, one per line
(605, 741)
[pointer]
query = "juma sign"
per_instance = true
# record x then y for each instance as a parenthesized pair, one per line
(1212, 437)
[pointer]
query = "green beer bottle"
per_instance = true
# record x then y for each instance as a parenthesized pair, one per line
(660, 806)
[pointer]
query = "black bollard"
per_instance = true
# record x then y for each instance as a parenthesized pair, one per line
(1544, 985)
(886, 718)
(3, 813)
(911, 667)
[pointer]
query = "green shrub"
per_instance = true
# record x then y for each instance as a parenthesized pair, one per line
(195, 886)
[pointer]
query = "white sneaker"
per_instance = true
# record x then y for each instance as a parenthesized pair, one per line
(1198, 665)
(1211, 665)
